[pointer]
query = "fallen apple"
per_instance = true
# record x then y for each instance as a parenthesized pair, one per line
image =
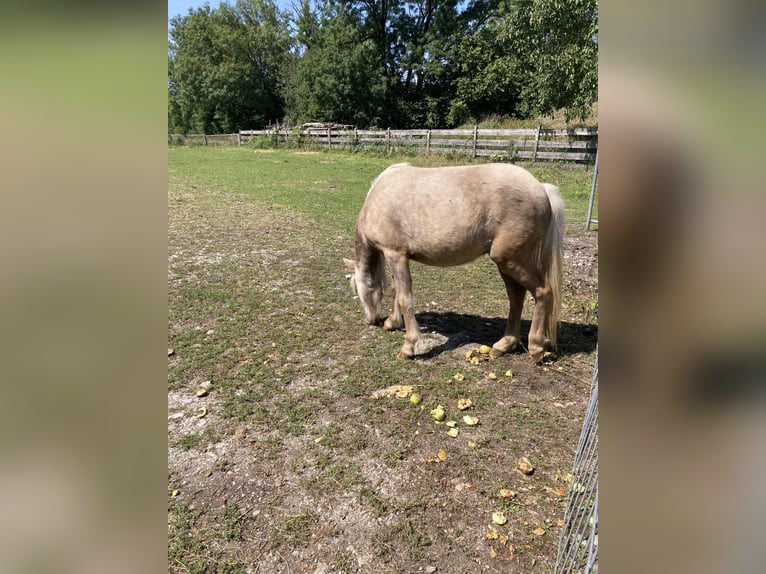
(499, 518)
(438, 413)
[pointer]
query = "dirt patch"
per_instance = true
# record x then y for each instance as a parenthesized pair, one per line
(294, 467)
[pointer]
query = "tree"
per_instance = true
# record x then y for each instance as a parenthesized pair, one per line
(338, 77)
(225, 67)
(556, 45)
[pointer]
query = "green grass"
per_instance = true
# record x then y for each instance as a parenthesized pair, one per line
(328, 184)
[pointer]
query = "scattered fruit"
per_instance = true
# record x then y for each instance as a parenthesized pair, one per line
(485, 350)
(453, 432)
(499, 518)
(491, 376)
(507, 494)
(438, 413)
(415, 398)
(399, 391)
(463, 404)
(524, 466)
(470, 421)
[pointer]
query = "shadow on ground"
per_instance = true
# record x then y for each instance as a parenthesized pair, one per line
(462, 329)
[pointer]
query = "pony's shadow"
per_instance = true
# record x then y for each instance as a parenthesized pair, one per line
(461, 329)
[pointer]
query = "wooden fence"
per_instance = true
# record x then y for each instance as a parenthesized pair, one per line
(577, 145)
(204, 139)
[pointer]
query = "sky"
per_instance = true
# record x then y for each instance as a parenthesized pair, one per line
(181, 7)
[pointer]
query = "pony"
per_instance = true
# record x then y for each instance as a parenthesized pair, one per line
(448, 216)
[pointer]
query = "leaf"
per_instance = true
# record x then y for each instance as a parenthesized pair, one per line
(492, 552)
(492, 534)
(538, 531)
(560, 492)
(459, 377)
(442, 454)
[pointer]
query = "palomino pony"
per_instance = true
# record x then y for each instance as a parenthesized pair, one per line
(448, 216)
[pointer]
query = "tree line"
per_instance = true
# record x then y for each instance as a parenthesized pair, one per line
(380, 63)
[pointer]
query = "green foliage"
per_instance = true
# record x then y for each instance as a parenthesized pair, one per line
(556, 46)
(392, 63)
(225, 67)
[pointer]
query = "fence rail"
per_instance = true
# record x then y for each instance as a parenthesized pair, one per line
(577, 145)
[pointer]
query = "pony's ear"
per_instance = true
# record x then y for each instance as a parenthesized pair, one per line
(350, 264)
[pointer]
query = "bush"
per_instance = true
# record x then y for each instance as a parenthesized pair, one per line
(266, 141)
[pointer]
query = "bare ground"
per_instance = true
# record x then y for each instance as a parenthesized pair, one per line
(292, 466)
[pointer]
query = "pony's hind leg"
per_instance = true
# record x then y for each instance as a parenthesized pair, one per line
(512, 335)
(400, 269)
(537, 335)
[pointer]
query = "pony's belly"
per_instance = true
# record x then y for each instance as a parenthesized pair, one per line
(448, 258)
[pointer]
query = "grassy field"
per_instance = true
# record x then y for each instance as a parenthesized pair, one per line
(287, 463)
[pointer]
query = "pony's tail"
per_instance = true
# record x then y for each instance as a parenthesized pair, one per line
(552, 258)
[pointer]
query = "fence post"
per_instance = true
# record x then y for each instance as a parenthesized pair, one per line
(356, 138)
(537, 141)
(475, 136)
(388, 141)
(428, 141)
(205, 136)
(588, 219)
(329, 139)
(239, 138)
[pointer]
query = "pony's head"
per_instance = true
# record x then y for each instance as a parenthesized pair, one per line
(367, 283)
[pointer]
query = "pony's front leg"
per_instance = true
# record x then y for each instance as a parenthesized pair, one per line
(394, 320)
(400, 269)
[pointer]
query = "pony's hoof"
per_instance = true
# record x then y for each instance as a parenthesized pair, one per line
(495, 353)
(404, 356)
